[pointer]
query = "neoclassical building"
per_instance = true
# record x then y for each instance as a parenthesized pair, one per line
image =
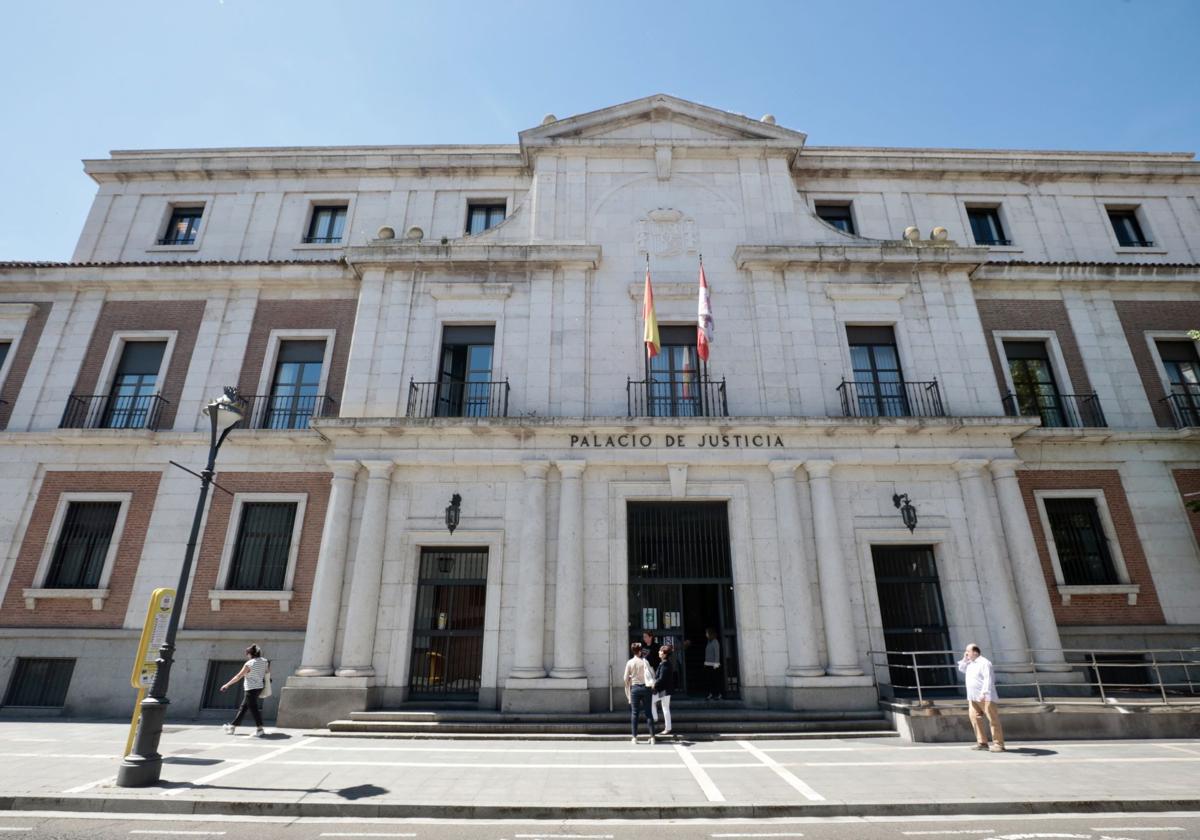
(995, 341)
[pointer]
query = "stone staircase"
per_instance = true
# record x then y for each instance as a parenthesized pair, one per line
(690, 722)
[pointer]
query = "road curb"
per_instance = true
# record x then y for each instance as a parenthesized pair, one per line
(365, 810)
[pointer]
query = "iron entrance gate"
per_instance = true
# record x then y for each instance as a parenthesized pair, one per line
(910, 604)
(447, 654)
(681, 582)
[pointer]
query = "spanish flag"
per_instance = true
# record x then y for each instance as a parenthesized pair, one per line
(650, 330)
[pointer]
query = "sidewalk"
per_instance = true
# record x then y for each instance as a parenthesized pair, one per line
(71, 766)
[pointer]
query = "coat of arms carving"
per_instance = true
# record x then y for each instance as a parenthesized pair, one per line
(666, 233)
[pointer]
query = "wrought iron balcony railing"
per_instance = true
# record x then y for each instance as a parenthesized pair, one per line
(680, 397)
(177, 240)
(322, 240)
(458, 399)
(891, 399)
(113, 411)
(281, 412)
(1184, 406)
(1058, 411)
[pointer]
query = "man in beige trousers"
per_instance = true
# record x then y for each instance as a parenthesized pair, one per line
(981, 694)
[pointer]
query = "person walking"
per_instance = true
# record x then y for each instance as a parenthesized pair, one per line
(639, 681)
(712, 665)
(665, 681)
(254, 675)
(981, 696)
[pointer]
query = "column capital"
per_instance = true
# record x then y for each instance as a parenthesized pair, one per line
(970, 466)
(783, 469)
(819, 468)
(536, 469)
(343, 469)
(570, 468)
(379, 469)
(1005, 467)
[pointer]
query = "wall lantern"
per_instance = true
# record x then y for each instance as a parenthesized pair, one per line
(907, 512)
(453, 513)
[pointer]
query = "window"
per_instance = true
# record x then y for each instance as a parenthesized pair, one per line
(326, 225)
(481, 216)
(294, 397)
(1127, 228)
(1080, 541)
(264, 541)
(218, 673)
(132, 401)
(986, 227)
(4, 348)
(40, 682)
(837, 215)
(83, 545)
(183, 226)
(674, 375)
(465, 379)
(878, 380)
(1036, 391)
(1182, 366)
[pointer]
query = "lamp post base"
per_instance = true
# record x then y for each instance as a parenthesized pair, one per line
(139, 771)
(143, 766)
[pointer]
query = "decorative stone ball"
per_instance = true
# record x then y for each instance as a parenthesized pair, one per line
(415, 234)
(769, 119)
(386, 232)
(938, 234)
(549, 118)
(912, 233)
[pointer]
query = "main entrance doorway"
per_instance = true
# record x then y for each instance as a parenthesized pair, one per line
(447, 653)
(914, 619)
(681, 584)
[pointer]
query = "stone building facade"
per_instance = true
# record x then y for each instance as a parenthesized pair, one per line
(1000, 337)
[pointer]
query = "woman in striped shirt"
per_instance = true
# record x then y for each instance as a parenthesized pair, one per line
(254, 675)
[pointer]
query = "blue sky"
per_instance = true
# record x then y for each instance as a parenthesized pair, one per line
(81, 78)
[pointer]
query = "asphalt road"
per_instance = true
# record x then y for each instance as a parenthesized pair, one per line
(51, 826)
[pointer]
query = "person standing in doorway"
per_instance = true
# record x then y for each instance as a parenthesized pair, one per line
(639, 680)
(254, 675)
(712, 666)
(649, 648)
(981, 695)
(664, 686)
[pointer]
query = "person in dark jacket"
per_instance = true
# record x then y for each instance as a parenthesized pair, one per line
(666, 679)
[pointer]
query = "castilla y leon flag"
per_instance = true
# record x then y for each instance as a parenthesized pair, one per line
(704, 323)
(650, 331)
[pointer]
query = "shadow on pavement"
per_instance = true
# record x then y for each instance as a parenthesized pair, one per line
(349, 793)
(1030, 751)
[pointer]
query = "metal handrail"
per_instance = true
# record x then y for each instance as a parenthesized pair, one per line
(322, 240)
(1184, 407)
(1058, 411)
(113, 411)
(1087, 684)
(695, 396)
(891, 399)
(458, 399)
(279, 412)
(177, 240)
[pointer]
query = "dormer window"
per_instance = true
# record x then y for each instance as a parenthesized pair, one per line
(1128, 228)
(327, 224)
(986, 227)
(484, 215)
(183, 226)
(837, 214)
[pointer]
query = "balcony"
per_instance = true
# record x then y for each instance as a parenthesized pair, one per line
(1184, 406)
(891, 399)
(1058, 411)
(278, 412)
(458, 399)
(113, 411)
(693, 397)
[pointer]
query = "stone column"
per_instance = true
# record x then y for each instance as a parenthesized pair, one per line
(358, 645)
(326, 603)
(804, 657)
(999, 598)
(1028, 577)
(528, 656)
(840, 640)
(568, 592)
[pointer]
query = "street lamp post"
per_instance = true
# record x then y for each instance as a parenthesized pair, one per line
(143, 766)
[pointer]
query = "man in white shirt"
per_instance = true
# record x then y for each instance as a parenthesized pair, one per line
(981, 694)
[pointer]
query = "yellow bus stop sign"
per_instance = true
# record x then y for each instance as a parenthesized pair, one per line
(154, 632)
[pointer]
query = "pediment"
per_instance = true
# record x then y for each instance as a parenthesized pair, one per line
(659, 119)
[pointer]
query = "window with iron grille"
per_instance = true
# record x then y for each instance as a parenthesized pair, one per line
(82, 546)
(986, 227)
(1083, 552)
(836, 214)
(40, 682)
(183, 226)
(327, 224)
(1127, 228)
(219, 672)
(295, 387)
(484, 215)
(264, 540)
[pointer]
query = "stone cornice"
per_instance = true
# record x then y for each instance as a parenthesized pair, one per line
(324, 275)
(472, 257)
(1080, 273)
(883, 256)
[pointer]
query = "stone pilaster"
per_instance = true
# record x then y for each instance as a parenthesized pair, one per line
(804, 657)
(835, 591)
(358, 645)
(568, 593)
(528, 656)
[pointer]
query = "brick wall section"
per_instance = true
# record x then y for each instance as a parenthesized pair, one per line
(258, 615)
(1095, 609)
(1034, 315)
(1140, 316)
(300, 315)
(75, 612)
(30, 336)
(182, 316)
(1188, 481)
